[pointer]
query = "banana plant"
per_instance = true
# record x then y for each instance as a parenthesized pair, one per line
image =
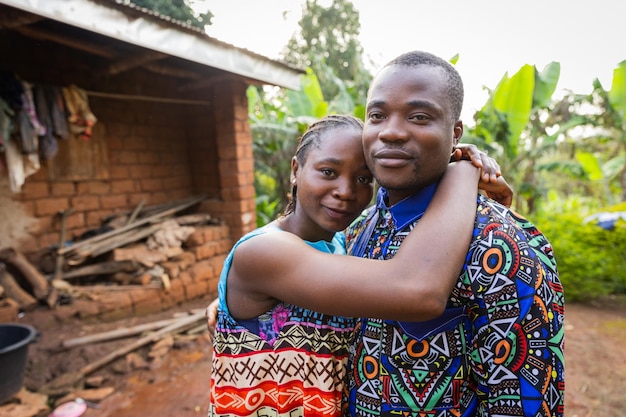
(509, 127)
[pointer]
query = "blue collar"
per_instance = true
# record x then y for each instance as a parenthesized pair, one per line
(408, 210)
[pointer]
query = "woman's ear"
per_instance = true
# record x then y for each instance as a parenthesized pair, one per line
(294, 170)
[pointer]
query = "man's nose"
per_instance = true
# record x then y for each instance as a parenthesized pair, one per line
(393, 130)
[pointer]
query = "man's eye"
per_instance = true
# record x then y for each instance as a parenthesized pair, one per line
(420, 117)
(327, 172)
(375, 116)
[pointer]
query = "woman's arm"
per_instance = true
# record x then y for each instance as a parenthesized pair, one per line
(413, 286)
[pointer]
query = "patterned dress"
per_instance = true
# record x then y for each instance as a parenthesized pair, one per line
(294, 364)
(498, 348)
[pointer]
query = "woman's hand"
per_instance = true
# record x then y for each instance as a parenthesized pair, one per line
(490, 168)
(491, 180)
(499, 190)
(211, 315)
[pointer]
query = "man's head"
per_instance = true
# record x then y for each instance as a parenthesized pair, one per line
(412, 122)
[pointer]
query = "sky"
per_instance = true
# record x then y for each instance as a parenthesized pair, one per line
(492, 37)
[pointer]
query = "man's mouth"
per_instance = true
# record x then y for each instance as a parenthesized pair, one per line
(392, 158)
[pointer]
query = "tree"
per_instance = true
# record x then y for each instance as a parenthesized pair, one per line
(178, 10)
(328, 43)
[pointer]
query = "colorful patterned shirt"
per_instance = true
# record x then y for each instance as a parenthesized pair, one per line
(498, 348)
(293, 364)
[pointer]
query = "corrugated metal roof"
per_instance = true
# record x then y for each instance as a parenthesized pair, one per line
(124, 21)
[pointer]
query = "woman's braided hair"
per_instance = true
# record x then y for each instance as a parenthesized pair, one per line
(311, 140)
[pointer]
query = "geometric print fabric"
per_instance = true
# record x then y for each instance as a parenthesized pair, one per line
(302, 373)
(294, 366)
(498, 349)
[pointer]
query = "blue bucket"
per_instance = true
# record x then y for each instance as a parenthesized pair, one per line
(14, 340)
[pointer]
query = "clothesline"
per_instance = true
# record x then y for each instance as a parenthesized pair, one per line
(147, 98)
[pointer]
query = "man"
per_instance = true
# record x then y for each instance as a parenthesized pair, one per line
(498, 348)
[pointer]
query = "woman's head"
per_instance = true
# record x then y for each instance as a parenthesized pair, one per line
(331, 183)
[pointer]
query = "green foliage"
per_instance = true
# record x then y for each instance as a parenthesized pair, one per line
(328, 43)
(617, 94)
(178, 10)
(591, 260)
(514, 97)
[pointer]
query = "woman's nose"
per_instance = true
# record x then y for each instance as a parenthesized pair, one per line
(345, 190)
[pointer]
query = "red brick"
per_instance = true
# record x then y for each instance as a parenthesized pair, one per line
(127, 157)
(140, 171)
(184, 277)
(222, 232)
(217, 262)
(135, 198)
(114, 304)
(195, 290)
(235, 179)
(212, 285)
(236, 165)
(237, 193)
(137, 143)
(119, 172)
(119, 130)
(62, 189)
(94, 187)
(50, 206)
(202, 271)
(85, 203)
(176, 291)
(73, 221)
(151, 184)
(178, 183)
(204, 251)
(123, 186)
(117, 201)
(197, 238)
(146, 301)
(94, 218)
(149, 158)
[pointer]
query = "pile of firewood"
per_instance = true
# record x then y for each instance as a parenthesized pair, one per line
(129, 249)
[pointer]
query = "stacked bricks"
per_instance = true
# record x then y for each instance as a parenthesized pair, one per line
(196, 277)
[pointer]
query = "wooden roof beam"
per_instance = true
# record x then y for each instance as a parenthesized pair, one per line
(136, 61)
(44, 35)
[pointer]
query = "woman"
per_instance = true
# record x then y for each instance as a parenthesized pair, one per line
(274, 352)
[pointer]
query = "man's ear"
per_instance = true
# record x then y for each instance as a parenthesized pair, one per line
(458, 132)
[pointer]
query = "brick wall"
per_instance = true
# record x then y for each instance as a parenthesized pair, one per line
(155, 151)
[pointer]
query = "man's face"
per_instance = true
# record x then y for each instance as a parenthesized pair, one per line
(409, 132)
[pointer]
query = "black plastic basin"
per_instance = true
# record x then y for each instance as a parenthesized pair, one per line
(14, 340)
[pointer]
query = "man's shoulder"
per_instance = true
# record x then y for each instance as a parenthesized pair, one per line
(358, 225)
(364, 217)
(493, 216)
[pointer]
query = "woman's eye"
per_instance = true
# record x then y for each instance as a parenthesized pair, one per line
(365, 180)
(327, 172)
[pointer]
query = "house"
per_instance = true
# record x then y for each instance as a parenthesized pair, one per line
(164, 118)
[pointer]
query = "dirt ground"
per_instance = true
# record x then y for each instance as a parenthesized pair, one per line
(177, 383)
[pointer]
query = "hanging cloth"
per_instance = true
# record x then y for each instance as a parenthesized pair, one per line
(80, 118)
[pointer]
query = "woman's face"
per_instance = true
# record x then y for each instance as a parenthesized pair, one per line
(334, 184)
